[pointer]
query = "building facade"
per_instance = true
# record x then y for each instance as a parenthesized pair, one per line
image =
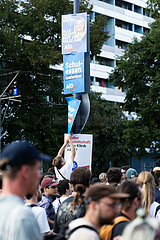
(125, 21)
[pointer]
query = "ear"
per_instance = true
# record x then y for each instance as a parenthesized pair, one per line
(25, 171)
(136, 201)
(94, 205)
(45, 190)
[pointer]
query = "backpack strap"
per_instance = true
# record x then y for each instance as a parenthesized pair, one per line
(157, 209)
(81, 226)
(106, 230)
(120, 219)
(61, 174)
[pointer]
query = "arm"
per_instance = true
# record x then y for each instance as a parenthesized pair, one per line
(73, 152)
(61, 150)
(51, 223)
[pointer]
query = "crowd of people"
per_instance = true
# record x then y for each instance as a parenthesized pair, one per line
(64, 204)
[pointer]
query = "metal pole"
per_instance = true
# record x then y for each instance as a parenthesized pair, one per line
(76, 6)
(76, 10)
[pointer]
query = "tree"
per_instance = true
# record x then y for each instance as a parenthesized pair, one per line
(138, 74)
(30, 42)
(107, 124)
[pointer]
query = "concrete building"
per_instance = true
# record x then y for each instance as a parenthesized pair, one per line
(125, 21)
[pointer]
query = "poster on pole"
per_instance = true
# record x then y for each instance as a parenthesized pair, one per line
(73, 106)
(73, 73)
(83, 146)
(74, 33)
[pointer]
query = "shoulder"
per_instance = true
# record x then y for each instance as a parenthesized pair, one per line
(65, 205)
(83, 232)
(152, 208)
(38, 210)
(118, 228)
(68, 164)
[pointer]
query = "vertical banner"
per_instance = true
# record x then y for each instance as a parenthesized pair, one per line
(74, 33)
(73, 73)
(73, 106)
(83, 146)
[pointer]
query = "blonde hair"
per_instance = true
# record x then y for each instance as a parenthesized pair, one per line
(146, 181)
(103, 177)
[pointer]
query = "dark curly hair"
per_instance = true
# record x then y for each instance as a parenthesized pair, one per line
(63, 186)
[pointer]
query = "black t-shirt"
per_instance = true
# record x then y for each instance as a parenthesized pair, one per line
(119, 227)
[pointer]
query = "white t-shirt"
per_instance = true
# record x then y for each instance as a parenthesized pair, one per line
(17, 220)
(57, 202)
(83, 233)
(41, 217)
(66, 170)
(152, 210)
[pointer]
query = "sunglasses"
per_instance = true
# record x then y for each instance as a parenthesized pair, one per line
(52, 187)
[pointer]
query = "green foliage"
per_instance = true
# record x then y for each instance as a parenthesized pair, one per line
(138, 73)
(107, 124)
(153, 8)
(98, 35)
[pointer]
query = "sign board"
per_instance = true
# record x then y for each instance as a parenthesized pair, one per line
(83, 146)
(73, 106)
(73, 73)
(74, 33)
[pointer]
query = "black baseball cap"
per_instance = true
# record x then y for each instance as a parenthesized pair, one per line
(19, 153)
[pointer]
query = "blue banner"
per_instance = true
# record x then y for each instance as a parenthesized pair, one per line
(73, 106)
(74, 33)
(73, 73)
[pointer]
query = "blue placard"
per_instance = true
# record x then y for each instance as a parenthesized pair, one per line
(73, 73)
(74, 33)
(73, 106)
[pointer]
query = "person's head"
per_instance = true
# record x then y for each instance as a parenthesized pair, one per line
(80, 179)
(141, 228)
(64, 187)
(156, 169)
(114, 175)
(20, 165)
(36, 196)
(80, 26)
(123, 171)
(134, 201)
(156, 175)
(103, 177)
(58, 162)
(95, 180)
(102, 203)
(131, 173)
(49, 187)
(146, 181)
(49, 175)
